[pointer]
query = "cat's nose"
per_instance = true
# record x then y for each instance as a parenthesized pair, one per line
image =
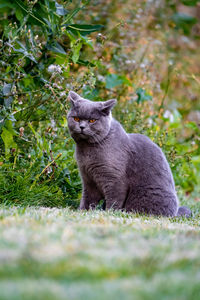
(82, 126)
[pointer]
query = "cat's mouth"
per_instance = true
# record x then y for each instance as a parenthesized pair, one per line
(80, 136)
(83, 135)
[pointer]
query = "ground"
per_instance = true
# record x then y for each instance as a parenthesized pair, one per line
(50, 253)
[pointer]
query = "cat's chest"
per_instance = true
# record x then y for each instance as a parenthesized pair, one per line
(90, 157)
(98, 162)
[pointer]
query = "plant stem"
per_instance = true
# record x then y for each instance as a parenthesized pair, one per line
(49, 164)
(170, 68)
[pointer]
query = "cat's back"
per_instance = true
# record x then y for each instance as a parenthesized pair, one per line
(149, 161)
(145, 147)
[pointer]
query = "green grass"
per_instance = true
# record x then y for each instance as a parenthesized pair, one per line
(50, 253)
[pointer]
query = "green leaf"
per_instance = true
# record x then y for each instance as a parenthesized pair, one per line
(71, 15)
(196, 159)
(85, 63)
(113, 80)
(19, 14)
(184, 21)
(83, 29)
(60, 10)
(25, 52)
(4, 3)
(190, 2)
(7, 137)
(12, 119)
(27, 80)
(7, 89)
(76, 51)
(90, 93)
(25, 9)
(142, 95)
(180, 18)
(56, 48)
(8, 101)
(192, 125)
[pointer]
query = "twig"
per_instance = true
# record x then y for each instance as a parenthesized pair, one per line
(170, 69)
(54, 165)
(142, 58)
(49, 164)
(51, 155)
(195, 78)
(33, 105)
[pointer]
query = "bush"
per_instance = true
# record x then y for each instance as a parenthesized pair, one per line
(40, 44)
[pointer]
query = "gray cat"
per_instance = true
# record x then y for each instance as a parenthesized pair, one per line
(128, 171)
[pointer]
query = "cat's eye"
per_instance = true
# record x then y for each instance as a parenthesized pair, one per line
(92, 120)
(77, 119)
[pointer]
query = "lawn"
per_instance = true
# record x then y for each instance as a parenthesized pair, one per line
(51, 253)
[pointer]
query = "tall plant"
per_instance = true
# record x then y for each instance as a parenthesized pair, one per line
(39, 45)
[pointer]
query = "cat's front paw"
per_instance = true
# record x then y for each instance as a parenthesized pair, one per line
(83, 206)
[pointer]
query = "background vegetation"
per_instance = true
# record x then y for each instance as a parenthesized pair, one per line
(143, 53)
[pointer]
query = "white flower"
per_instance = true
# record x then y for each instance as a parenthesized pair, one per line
(128, 61)
(62, 94)
(101, 78)
(142, 66)
(54, 69)
(55, 85)
(53, 123)
(150, 121)
(168, 115)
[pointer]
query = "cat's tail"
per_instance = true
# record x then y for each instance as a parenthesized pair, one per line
(184, 211)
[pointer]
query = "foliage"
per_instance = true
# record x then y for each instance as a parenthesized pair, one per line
(40, 42)
(47, 47)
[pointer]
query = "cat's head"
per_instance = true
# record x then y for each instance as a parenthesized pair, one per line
(87, 120)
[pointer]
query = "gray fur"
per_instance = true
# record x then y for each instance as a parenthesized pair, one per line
(128, 171)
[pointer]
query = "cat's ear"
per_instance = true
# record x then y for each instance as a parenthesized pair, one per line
(107, 106)
(73, 97)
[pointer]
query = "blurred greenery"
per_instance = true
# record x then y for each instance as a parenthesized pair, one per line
(51, 253)
(144, 53)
